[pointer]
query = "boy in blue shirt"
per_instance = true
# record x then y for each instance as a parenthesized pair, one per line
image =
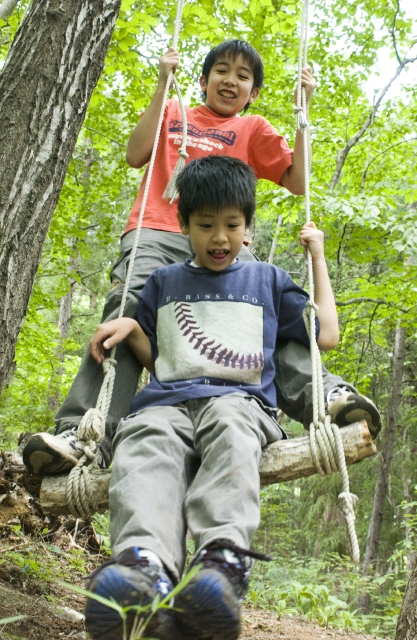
(231, 80)
(187, 456)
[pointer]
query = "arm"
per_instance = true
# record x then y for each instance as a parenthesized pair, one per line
(313, 238)
(140, 143)
(293, 179)
(110, 333)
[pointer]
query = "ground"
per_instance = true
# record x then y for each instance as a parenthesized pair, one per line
(36, 552)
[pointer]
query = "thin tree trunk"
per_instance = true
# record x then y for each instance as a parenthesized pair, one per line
(410, 553)
(49, 75)
(275, 239)
(64, 320)
(407, 621)
(387, 450)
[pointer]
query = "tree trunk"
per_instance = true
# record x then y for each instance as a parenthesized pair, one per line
(387, 450)
(49, 75)
(275, 239)
(64, 321)
(407, 622)
(411, 554)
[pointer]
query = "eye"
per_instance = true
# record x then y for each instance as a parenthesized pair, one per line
(205, 225)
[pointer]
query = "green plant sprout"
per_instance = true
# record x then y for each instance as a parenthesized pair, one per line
(11, 619)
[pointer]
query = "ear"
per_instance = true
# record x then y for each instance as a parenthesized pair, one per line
(203, 84)
(185, 230)
(255, 93)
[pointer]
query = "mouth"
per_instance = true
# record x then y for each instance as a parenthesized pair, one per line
(227, 95)
(218, 255)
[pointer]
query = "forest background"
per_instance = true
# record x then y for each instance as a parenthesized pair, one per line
(363, 196)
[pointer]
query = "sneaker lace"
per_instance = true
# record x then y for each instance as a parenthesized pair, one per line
(235, 565)
(128, 558)
(335, 393)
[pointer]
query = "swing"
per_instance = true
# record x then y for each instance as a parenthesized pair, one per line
(326, 450)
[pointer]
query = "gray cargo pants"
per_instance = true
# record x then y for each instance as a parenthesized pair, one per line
(193, 465)
(156, 249)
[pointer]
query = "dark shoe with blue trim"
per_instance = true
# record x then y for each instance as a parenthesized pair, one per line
(135, 577)
(208, 608)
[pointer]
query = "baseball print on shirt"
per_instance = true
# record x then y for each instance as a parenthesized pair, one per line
(230, 347)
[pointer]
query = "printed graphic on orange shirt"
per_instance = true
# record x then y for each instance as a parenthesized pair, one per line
(226, 137)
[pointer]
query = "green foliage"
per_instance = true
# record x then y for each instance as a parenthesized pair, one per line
(326, 590)
(44, 563)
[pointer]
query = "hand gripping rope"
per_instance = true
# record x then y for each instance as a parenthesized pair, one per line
(91, 430)
(325, 438)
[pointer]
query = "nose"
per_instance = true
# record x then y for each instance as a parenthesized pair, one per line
(219, 236)
(230, 79)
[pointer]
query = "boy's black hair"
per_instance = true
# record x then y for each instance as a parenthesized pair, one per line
(231, 49)
(214, 182)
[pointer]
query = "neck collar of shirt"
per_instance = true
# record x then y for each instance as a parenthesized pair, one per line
(200, 270)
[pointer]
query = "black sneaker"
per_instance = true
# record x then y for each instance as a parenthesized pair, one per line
(45, 454)
(135, 577)
(208, 608)
(346, 407)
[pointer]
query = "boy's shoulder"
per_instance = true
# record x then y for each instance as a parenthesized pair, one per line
(264, 266)
(168, 269)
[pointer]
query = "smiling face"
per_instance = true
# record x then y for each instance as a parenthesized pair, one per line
(216, 237)
(229, 86)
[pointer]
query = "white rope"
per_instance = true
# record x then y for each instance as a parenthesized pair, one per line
(326, 443)
(91, 430)
(170, 192)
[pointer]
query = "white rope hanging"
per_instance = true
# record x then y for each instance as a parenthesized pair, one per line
(91, 430)
(325, 438)
(170, 192)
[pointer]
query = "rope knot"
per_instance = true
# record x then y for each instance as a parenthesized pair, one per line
(302, 122)
(348, 502)
(91, 428)
(107, 364)
(79, 493)
(312, 305)
(183, 153)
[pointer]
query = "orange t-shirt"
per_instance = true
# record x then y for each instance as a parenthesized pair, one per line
(250, 138)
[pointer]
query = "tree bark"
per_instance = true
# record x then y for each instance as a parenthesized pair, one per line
(281, 461)
(49, 75)
(407, 622)
(387, 450)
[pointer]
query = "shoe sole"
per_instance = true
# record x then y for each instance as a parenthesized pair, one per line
(354, 409)
(209, 609)
(105, 623)
(42, 459)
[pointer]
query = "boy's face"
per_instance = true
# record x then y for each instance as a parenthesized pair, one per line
(216, 238)
(229, 86)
